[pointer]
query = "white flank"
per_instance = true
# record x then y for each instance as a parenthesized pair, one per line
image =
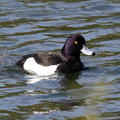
(32, 67)
(86, 51)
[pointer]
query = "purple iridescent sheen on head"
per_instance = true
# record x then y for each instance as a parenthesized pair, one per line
(71, 50)
(73, 46)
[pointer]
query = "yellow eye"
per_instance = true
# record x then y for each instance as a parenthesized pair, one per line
(76, 42)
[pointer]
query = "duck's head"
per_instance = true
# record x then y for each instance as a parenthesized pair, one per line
(74, 46)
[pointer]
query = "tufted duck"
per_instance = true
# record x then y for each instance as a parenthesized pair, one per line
(47, 63)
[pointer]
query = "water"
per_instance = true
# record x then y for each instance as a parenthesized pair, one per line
(28, 26)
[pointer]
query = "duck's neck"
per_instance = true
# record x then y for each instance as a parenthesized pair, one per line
(71, 56)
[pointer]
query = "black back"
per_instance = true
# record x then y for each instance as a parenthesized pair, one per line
(43, 58)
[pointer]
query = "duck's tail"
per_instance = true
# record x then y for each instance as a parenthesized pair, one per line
(22, 61)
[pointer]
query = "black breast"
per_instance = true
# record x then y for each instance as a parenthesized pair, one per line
(68, 67)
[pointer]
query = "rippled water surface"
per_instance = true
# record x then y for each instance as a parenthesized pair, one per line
(28, 26)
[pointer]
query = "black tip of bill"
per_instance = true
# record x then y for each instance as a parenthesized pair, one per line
(93, 53)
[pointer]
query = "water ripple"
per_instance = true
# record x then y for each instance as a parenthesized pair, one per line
(31, 26)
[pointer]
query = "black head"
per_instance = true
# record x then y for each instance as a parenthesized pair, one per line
(74, 46)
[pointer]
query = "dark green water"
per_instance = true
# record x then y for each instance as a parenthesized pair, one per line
(28, 26)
